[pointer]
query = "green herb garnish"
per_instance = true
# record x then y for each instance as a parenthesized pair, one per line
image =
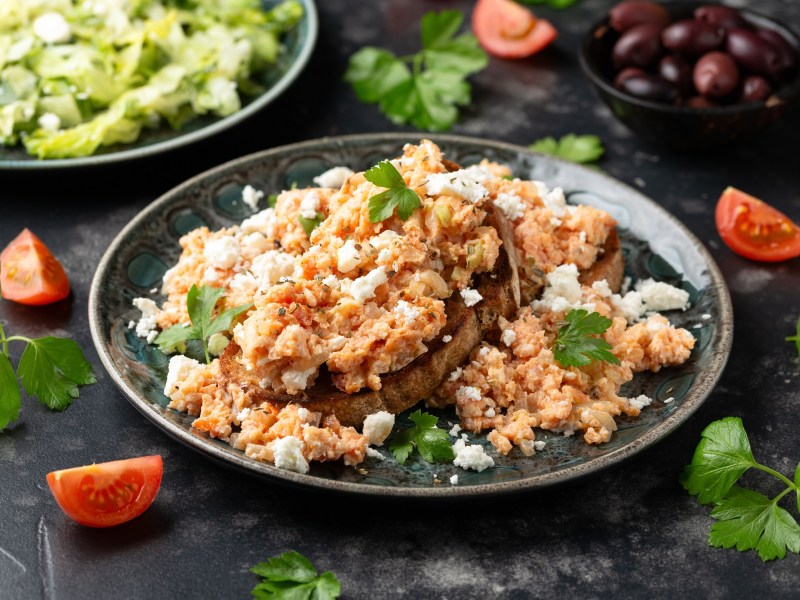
(746, 519)
(272, 200)
(576, 344)
(558, 4)
(795, 338)
(432, 443)
(427, 93)
(50, 369)
(575, 148)
(397, 194)
(310, 225)
(291, 576)
(200, 303)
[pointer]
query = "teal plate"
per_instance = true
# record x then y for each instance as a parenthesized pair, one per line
(299, 44)
(655, 245)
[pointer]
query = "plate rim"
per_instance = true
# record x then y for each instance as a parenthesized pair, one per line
(191, 137)
(701, 389)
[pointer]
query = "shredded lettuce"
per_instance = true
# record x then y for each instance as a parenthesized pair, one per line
(76, 75)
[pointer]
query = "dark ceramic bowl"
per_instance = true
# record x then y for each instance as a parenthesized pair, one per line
(683, 127)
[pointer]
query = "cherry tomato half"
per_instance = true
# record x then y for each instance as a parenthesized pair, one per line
(107, 494)
(507, 30)
(30, 274)
(754, 229)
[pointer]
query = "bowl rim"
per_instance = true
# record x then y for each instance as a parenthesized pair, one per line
(788, 94)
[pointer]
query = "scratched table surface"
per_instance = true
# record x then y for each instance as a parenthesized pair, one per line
(628, 532)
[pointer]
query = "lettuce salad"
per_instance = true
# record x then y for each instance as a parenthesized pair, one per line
(76, 75)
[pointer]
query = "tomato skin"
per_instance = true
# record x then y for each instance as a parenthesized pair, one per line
(30, 274)
(507, 30)
(754, 229)
(107, 494)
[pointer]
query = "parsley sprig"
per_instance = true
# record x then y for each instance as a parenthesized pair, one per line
(50, 369)
(576, 344)
(571, 147)
(746, 520)
(310, 225)
(795, 338)
(397, 194)
(291, 576)
(432, 443)
(426, 88)
(200, 303)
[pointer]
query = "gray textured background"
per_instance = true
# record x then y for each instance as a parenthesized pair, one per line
(630, 532)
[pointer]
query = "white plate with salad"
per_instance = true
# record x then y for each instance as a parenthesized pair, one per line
(88, 82)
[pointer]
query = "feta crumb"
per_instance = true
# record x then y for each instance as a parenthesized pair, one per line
(601, 288)
(705, 316)
(563, 290)
(454, 480)
(297, 379)
(52, 28)
(377, 427)
(539, 446)
(348, 257)
(251, 196)
(302, 414)
(223, 252)
(509, 336)
(333, 178)
(383, 241)
(513, 206)
(372, 453)
(659, 296)
(468, 392)
(630, 305)
(288, 454)
(471, 457)
(270, 267)
(408, 312)
(640, 402)
(466, 183)
(146, 327)
(471, 297)
(447, 339)
(364, 287)
(331, 281)
(454, 430)
(554, 200)
(489, 413)
(261, 222)
(669, 400)
(309, 205)
(384, 255)
(455, 374)
(180, 369)
(50, 122)
(484, 351)
(131, 324)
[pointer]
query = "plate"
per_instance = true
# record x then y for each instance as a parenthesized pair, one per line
(299, 44)
(655, 245)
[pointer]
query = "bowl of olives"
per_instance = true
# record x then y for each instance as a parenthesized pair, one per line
(690, 74)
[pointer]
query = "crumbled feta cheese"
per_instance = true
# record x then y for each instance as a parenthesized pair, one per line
(384, 256)
(297, 379)
(210, 275)
(378, 426)
(288, 454)
(705, 316)
(364, 287)
(539, 446)
(256, 243)
(270, 267)
(336, 343)
(50, 122)
(147, 327)
(669, 400)
(484, 351)
(563, 290)
(52, 28)
(489, 413)
(223, 252)
(455, 374)
(333, 178)
(513, 206)
(659, 296)
(454, 430)
(471, 297)
(468, 392)
(640, 402)
(408, 312)
(302, 414)
(454, 480)
(251, 196)
(180, 369)
(602, 289)
(383, 241)
(372, 453)
(554, 200)
(168, 279)
(331, 281)
(309, 205)
(630, 304)
(509, 336)
(348, 257)
(466, 183)
(262, 222)
(447, 339)
(471, 457)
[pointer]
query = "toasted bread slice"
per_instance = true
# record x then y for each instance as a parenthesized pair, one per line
(609, 266)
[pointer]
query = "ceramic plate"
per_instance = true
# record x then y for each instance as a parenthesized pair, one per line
(655, 245)
(299, 44)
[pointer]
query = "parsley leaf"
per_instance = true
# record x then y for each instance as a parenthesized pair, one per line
(200, 303)
(796, 338)
(291, 576)
(575, 148)
(272, 200)
(51, 369)
(575, 345)
(398, 194)
(721, 458)
(10, 400)
(310, 225)
(751, 521)
(427, 94)
(432, 443)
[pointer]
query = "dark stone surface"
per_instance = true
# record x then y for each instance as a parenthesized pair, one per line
(630, 532)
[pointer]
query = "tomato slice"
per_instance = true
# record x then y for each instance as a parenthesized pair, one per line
(109, 493)
(754, 229)
(507, 30)
(30, 274)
